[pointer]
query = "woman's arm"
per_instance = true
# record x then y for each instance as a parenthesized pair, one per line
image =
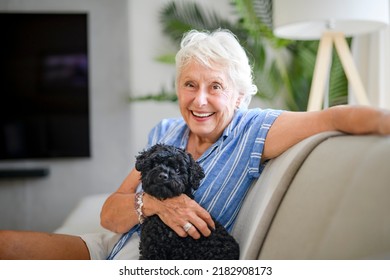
(292, 127)
(118, 213)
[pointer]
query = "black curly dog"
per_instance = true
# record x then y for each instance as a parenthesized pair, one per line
(167, 171)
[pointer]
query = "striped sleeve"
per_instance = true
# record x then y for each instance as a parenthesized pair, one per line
(265, 124)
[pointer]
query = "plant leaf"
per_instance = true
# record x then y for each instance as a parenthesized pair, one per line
(280, 67)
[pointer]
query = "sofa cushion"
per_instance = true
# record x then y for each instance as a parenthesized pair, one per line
(338, 205)
(85, 217)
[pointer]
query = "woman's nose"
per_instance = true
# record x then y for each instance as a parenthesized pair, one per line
(200, 98)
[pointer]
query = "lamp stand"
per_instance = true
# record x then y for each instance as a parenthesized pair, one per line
(322, 66)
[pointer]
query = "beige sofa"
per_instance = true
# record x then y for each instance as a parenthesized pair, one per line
(327, 197)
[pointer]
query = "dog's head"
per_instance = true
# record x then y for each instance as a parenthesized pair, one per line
(167, 171)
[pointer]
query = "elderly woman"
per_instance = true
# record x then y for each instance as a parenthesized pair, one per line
(214, 87)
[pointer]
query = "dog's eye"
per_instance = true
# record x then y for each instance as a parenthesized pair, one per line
(177, 170)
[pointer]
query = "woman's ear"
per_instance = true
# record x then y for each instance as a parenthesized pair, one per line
(238, 101)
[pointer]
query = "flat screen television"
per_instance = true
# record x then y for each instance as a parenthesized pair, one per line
(44, 85)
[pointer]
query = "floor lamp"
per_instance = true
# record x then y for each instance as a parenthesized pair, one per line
(330, 22)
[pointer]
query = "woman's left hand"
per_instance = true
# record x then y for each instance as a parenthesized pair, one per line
(178, 211)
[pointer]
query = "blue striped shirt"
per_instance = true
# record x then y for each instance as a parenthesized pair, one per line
(231, 164)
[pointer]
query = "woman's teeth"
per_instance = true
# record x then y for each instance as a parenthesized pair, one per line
(202, 115)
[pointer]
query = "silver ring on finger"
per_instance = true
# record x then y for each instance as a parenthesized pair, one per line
(187, 226)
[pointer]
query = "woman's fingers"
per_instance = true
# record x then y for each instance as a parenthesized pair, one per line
(181, 212)
(201, 223)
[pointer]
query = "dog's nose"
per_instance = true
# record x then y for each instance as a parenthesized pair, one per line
(163, 176)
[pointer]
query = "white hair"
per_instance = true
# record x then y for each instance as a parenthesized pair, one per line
(222, 47)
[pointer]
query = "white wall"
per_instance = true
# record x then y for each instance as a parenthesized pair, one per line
(41, 204)
(125, 36)
(372, 55)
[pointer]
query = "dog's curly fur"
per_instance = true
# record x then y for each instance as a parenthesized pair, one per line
(167, 171)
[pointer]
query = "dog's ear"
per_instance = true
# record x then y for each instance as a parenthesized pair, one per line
(144, 158)
(196, 173)
(140, 160)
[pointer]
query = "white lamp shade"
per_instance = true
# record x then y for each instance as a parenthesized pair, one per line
(308, 19)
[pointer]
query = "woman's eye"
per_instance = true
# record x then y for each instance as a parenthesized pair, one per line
(188, 84)
(216, 87)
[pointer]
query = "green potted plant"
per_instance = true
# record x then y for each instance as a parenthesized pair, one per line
(283, 69)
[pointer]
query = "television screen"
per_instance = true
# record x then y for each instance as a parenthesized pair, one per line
(44, 85)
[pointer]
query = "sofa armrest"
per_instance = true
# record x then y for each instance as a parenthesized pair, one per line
(85, 217)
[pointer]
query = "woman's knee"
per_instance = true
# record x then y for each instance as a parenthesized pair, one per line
(39, 245)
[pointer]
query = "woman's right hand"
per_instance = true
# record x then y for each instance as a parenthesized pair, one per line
(177, 211)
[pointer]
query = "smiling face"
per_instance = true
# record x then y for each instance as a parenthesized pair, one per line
(207, 99)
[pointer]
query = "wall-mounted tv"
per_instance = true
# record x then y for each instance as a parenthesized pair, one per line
(44, 85)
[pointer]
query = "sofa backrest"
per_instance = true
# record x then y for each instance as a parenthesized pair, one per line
(327, 197)
(264, 197)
